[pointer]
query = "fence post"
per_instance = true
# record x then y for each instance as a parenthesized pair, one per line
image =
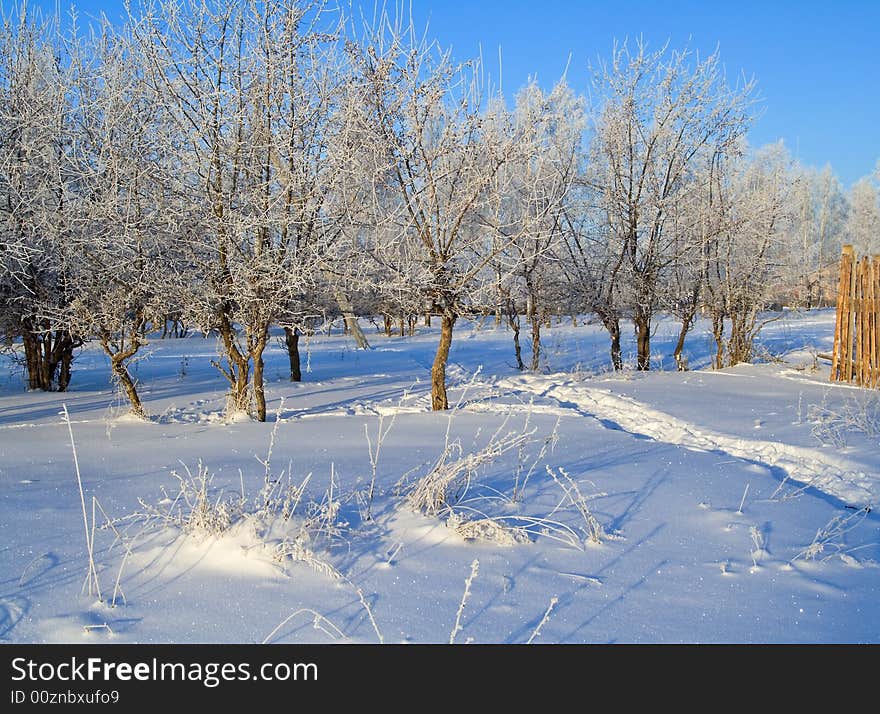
(875, 320)
(861, 322)
(852, 313)
(841, 364)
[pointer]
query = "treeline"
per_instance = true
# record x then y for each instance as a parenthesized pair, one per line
(238, 165)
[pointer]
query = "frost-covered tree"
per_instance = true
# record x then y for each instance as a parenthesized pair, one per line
(535, 184)
(593, 263)
(819, 221)
(35, 196)
(747, 256)
(248, 89)
(432, 167)
(660, 112)
(694, 225)
(122, 239)
(863, 226)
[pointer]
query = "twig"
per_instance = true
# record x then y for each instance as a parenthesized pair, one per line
(27, 567)
(93, 573)
(318, 617)
(743, 502)
(475, 568)
(537, 630)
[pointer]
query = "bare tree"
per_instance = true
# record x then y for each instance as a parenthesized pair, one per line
(247, 86)
(747, 256)
(817, 233)
(121, 247)
(436, 164)
(531, 198)
(660, 111)
(35, 184)
(863, 226)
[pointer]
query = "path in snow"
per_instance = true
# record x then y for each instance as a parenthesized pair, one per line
(834, 476)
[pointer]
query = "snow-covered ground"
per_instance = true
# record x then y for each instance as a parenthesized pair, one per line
(728, 506)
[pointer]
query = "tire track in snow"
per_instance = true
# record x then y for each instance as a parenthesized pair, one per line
(833, 476)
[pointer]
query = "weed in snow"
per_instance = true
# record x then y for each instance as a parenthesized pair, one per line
(456, 628)
(319, 622)
(449, 479)
(487, 529)
(758, 545)
(831, 424)
(537, 630)
(591, 528)
(742, 503)
(830, 537)
(94, 586)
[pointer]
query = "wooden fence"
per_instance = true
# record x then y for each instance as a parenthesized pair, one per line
(856, 356)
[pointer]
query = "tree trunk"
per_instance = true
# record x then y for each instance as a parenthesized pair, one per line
(45, 352)
(240, 401)
(291, 340)
(238, 373)
(259, 386)
(740, 344)
(351, 321)
(402, 330)
(718, 334)
(118, 356)
(612, 325)
(439, 401)
(536, 345)
(34, 361)
(513, 321)
(643, 341)
(120, 371)
(389, 323)
(65, 363)
(680, 361)
(535, 323)
(687, 323)
(427, 319)
(48, 365)
(258, 338)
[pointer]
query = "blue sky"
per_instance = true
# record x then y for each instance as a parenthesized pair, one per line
(817, 63)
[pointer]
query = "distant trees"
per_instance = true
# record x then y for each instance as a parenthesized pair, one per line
(755, 211)
(863, 225)
(240, 166)
(818, 228)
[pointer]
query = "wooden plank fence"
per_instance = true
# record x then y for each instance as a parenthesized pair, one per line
(856, 356)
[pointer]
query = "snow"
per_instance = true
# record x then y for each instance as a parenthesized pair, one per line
(729, 512)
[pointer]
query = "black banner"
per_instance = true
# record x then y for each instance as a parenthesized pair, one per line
(230, 675)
